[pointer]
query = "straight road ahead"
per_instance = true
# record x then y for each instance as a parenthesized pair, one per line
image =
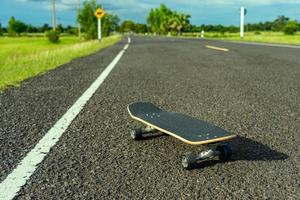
(250, 90)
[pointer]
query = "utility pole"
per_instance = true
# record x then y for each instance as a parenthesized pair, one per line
(53, 15)
(78, 12)
(242, 21)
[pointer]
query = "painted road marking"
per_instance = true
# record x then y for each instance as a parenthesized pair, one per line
(10, 187)
(265, 44)
(126, 46)
(256, 43)
(216, 48)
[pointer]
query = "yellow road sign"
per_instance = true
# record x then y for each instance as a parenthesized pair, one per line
(99, 13)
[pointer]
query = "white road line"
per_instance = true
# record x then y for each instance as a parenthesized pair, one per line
(129, 40)
(10, 187)
(216, 48)
(126, 46)
(270, 45)
(259, 44)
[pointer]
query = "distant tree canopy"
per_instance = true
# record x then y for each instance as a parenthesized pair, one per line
(128, 26)
(141, 28)
(291, 27)
(16, 27)
(214, 28)
(281, 23)
(45, 28)
(1, 30)
(278, 24)
(163, 20)
(88, 21)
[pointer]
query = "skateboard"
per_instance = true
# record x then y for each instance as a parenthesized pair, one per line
(183, 127)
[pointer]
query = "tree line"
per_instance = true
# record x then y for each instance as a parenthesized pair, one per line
(161, 20)
(16, 27)
(281, 23)
(86, 18)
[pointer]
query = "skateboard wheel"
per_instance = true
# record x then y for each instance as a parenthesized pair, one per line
(189, 160)
(225, 152)
(136, 134)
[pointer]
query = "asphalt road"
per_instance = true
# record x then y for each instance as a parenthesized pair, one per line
(251, 90)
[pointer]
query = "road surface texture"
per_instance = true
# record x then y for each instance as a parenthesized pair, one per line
(250, 90)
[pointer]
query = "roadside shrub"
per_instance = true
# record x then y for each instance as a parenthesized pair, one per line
(291, 28)
(11, 33)
(72, 31)
(256, 33)
(53, 36)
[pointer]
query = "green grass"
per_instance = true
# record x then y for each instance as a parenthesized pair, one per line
(265, 37)
(25, 57)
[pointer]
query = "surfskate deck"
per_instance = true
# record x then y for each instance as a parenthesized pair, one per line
(183, 127)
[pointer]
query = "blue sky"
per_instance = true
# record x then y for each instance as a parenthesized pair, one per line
(226, 12)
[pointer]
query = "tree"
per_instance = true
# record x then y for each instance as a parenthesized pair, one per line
(110, 24)
(178, 21)
(158, 19)
(153, 20)
(1, 31)
(127, 26)
(16, 26)
(280, 23)
(141, 28)
(87, 19)
(291, 28)
(162, 20)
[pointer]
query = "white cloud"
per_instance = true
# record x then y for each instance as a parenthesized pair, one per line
(145, 5)
(128, 5)
(61, 5)
(210, 11)
(235, 2)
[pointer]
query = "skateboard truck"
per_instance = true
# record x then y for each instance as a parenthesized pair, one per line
(137, 133)
(189, 160)
(223, 151)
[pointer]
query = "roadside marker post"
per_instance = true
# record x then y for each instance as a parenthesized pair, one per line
(202, 34)
(99, 13)
(99, 29)
(242, 21)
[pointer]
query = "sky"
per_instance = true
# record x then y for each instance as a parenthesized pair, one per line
(225, 12)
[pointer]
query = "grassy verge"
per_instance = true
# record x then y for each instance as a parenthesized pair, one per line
(264, 37)
(22, 58)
